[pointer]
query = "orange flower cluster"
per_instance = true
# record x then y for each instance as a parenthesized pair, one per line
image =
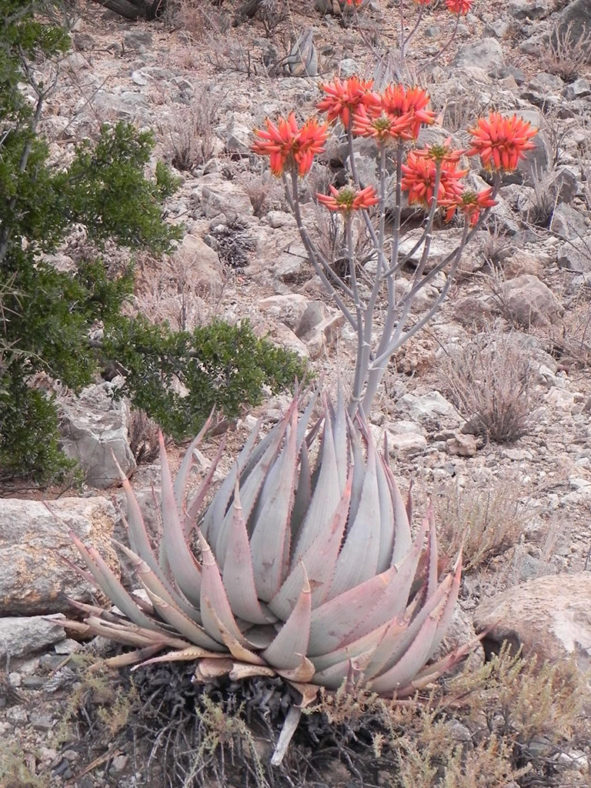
(344, 98)
(348, 199)
(351, 2)
(501, 142)
(472, 203)
(420, 175)
(288, 145)
(459, 6)
(397, 113)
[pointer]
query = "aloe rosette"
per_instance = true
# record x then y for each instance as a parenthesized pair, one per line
(303, 565)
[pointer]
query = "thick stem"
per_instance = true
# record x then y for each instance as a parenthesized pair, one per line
(406, 41)
(319, 264)
(361, 359)
(380, 362)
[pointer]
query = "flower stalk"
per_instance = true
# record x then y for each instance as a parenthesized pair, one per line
(372, 299)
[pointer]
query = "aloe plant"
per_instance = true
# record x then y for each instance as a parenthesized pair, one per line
(303, 565)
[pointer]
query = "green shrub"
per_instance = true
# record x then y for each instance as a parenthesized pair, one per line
(177, 377)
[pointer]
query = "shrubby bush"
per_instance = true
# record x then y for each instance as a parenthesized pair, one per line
(177, 377)
(46, 314)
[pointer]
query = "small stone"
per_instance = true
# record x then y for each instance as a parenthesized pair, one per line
(138, 40)
(406, 444)
(516, 455)
(463, 445)
(119, 763)
(42, 722)
(67, 646)
(278, 219)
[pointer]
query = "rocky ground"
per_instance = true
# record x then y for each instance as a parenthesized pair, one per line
(523, 290)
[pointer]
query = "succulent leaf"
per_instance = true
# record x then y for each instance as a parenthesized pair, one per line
(290, 644)
(177, 552)
(270, 539)
(319, 561)
(238, 572)
(358, 559)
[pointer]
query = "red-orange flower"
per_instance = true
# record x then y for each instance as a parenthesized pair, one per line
(411, 103)
(459, 6)
(501, 142)
(420, 173)
(289, 146)
(348, 199)
(350, 2)
(471, 204)
(383, 127)
(343, 97)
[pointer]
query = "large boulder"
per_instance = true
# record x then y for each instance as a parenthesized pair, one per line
(486, 54)
(529, 301)
(574, 23)
(34, 577)
(94, 433)
(23, 635)
(200, 265)
(549, 617)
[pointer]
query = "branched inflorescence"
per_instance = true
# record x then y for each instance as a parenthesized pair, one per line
(431, 177)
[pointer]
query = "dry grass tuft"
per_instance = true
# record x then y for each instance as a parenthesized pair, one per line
(568, 52)
(569, 339)
(143, 437)
(484, 523)
(489, 380)
(189, 135)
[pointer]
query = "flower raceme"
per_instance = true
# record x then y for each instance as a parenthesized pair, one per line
(289, 146)
(501, 142)
(344, 97)
(459, 6)
(383, 128)
(348, 199)
(420, 177)
(471, 204)
(410, 104)
(397, 113)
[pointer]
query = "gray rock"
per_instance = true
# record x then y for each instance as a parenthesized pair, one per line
(443, 243)
(280, 334)
(462, 445)
(227, 198)
(314, 313)
(34, 577)
(575, 254)
(23, 635)
(529, 301)
(324, 334)
(348, 68)
(530, 9)
(568, 223)
(137, 40)
(201, 265)
(426, 406)
(94, 433)
(548, 616)
(406, 444)
(580, 88)
(291, 262)
(574, 23)
(122, 106)
(288, 308)
(486, 54)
